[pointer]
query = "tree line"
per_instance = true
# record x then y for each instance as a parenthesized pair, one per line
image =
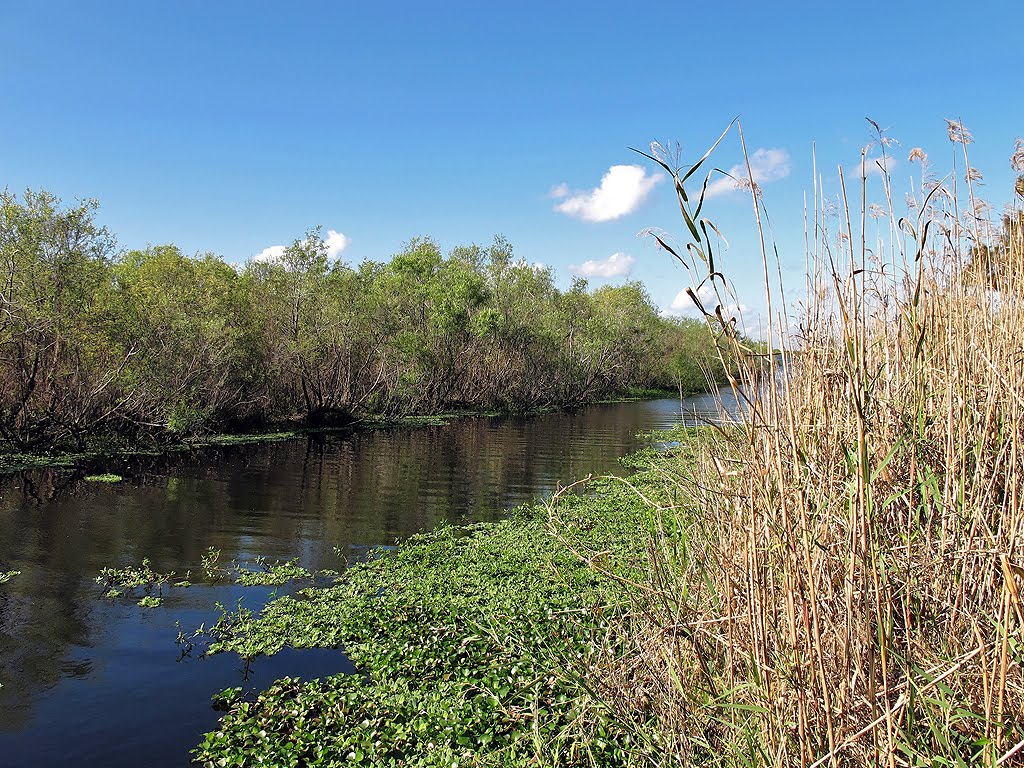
(156, 344)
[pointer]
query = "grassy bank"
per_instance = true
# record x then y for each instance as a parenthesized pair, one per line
(474, 645)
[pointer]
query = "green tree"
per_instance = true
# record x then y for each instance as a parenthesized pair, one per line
(690, 359)
(299, 303)
(58, 362)
(195, 344)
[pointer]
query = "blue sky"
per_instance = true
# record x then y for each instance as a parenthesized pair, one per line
(234, 126)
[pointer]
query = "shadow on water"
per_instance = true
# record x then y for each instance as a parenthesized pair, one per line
(92, 682)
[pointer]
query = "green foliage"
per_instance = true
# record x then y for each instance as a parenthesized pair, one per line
(157, 345)
(57, 357)
(211, 565)
(133, 581)
(227, 698)
(271, 574)
(124, 582)
(691, 358)
(6, 576)
(107, 477)
(463, 637)
(194, 339)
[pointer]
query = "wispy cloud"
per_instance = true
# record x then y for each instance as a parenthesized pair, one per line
(766, 166)
(559, 191)
(622, 190)
(335, 242)
(873, 165)
(616, 265)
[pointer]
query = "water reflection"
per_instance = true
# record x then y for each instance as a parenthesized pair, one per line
(83, 677)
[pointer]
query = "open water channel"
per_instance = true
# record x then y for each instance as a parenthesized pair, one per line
(93, 682)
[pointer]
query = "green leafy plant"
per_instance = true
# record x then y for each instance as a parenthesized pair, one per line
(104, 478)
(462, 637)
(226, 699)
(271, 574)
(130, 580)
(211, 565)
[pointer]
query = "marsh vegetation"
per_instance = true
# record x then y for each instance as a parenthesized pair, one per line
(835, 579)
(156, 346)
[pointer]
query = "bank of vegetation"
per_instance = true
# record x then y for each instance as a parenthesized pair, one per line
(474, 645)
(841, 581)
(835, 579)
(155, 345)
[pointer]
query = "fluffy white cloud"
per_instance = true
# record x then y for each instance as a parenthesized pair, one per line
(766, 166)
(623, 188)
(683, 306)
(335, 242)
(273, 253)
(616, 265)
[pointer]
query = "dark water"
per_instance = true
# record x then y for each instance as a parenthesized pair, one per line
(91, 682)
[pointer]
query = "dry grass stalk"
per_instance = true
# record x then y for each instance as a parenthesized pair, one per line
(848, 589)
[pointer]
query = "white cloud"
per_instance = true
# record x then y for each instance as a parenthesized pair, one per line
(335, 243)
(616, 265)
(623, 188)
(873, 165)
(766, 166)
(683, 306)
(273, 253)
(559, 190)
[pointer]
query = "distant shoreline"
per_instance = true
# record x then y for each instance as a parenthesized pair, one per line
(92, 458)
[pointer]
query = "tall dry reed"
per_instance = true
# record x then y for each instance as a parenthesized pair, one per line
(847, 587)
